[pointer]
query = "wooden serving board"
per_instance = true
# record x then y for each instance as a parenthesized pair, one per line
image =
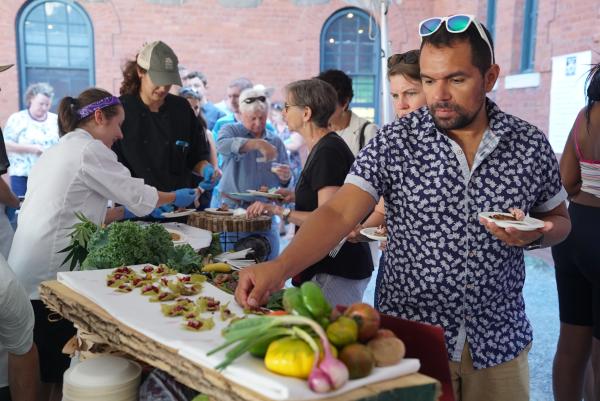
(91, 318)
(219, 224)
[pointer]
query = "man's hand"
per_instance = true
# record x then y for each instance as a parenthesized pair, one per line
(515, 237)
(259, 209)
(256, 283)
(282, 171)
(289, 196)
(266, 149)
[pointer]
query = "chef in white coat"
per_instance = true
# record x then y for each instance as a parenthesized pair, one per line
(79, 174)
(7, 197)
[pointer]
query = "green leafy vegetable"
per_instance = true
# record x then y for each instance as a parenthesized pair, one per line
(80, 238)
(184, 259)
(127, 243)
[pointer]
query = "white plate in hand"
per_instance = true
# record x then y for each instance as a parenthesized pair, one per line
(214, 210)
(369, 232)
(178, 213)
(269, 195)
(177, 236)
(527, 224)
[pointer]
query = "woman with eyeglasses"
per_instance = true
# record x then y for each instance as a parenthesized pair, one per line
(254, 158)
(407, 96)
(308, 109)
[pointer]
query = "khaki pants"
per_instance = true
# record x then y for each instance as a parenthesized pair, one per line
(508, 381)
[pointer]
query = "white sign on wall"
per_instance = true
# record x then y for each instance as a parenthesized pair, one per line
(567, 95)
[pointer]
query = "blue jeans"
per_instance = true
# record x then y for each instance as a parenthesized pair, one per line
(18, 184)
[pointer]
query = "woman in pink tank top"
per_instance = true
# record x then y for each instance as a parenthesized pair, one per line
(577, 259)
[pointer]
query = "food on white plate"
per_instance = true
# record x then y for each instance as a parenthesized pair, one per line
(381, 231)
(223, 208)
(263, 188)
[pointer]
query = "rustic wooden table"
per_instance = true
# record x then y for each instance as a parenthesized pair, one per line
(90, 317)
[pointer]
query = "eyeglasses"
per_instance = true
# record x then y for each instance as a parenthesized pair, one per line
(410, 57)
(286, 106)
(454, 24)
(249, 100)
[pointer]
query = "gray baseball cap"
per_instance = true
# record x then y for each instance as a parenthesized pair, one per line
(5, 67)
(161, 63)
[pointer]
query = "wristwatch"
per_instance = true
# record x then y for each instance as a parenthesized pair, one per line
(286, 213)
(537, 244)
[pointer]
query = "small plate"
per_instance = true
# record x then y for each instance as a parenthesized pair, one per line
(369, 232)
(214, 210)
(528, 224)
(181, 213)
(269, 195)
(242, 196)
(177, 236)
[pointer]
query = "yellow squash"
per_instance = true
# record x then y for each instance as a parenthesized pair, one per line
(217, 267)
(290, 356)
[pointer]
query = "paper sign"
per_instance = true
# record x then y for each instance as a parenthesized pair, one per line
(567, 95)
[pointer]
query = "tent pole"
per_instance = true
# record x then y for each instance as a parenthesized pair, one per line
(385, 84)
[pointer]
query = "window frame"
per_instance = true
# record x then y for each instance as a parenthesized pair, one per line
(490, 20)
(529, 38)
(24, 12)
(334, 17)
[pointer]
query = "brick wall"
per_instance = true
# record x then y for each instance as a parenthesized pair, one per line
(278, 42)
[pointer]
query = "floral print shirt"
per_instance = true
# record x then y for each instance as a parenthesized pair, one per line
(24, 130)
(443, 267)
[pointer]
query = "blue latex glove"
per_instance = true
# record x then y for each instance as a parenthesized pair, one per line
(127, 214)
(157, 213)
(185, 197)
(207, 173)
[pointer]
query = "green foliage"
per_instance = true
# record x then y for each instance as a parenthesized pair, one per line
(158, 241)
(80, 237)
(184, 259)
(128, 243)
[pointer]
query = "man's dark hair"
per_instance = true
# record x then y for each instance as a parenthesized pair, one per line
(341, 82)
(199, 75)
(480, 52)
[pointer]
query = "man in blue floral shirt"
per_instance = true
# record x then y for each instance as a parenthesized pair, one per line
(437, 168)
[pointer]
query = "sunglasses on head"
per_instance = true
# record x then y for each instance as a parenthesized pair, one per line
(410, 57)
(454, 24)
(253, 99)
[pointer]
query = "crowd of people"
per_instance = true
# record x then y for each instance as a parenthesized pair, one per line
(450, 153)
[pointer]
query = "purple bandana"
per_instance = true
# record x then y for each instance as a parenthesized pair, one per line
(100, 104)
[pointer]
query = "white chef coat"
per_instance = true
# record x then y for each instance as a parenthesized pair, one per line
(6, 232)
(79, 174)
(16, 319)
(351, 134)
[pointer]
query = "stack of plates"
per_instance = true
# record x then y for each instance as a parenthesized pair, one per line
(103, 378)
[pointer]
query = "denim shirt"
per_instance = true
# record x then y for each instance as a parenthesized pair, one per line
(244, 171)
(443, 267)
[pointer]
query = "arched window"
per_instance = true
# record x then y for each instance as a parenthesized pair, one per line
(350, 42)
(55, 45)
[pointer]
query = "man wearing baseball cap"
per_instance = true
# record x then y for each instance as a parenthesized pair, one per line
(18, 353)
(163, 142)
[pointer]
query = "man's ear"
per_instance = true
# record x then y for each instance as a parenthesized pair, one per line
(491, 76)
